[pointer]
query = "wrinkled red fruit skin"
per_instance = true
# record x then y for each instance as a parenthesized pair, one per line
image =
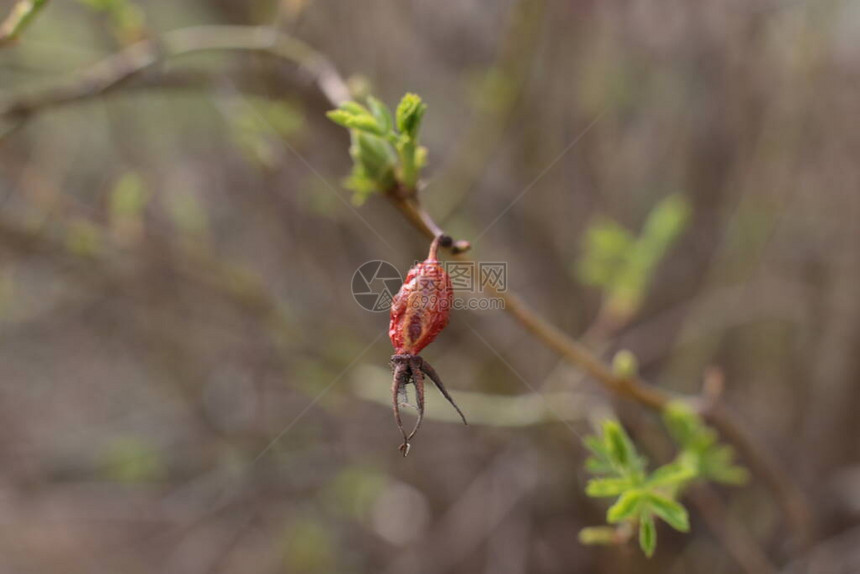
(420, 309)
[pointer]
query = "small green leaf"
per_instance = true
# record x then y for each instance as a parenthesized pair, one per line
(672, 512)
(600, 487)
(410, 112)
(381, 112)
(619, 445)
(625, 365)
(701, 448)
(83, 238)
(340, 117)
(367, 124)
(132, 460)
(375, 156)
(605, 250)
(681, 422)
(308, 546)
(596, 465)
(733, 475)
(674, 474)
(625, 507)
(717, 463)
(353, 108)
(357, 119)
(128, 196)
(597, 535)
(666, 221)
(647, 535)
(408, 169)
(420, 157)
(595, 445)
(362, 185)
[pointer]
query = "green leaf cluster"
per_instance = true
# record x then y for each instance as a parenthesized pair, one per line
(701, 448)
(641, 497)
(621, 264)
(385, 149)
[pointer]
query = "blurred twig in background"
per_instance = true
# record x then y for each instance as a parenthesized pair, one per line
(23, 12)
(111, 73)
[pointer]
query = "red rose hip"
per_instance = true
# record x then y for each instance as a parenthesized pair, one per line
(419, 312)
(421, 308)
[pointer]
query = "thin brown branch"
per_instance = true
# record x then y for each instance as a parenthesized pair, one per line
(114, 71)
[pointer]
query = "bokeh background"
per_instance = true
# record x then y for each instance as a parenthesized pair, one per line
(188, 385)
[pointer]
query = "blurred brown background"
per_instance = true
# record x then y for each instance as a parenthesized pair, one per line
(176, 260)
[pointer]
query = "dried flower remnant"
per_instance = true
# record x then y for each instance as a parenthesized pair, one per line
(419, 312)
